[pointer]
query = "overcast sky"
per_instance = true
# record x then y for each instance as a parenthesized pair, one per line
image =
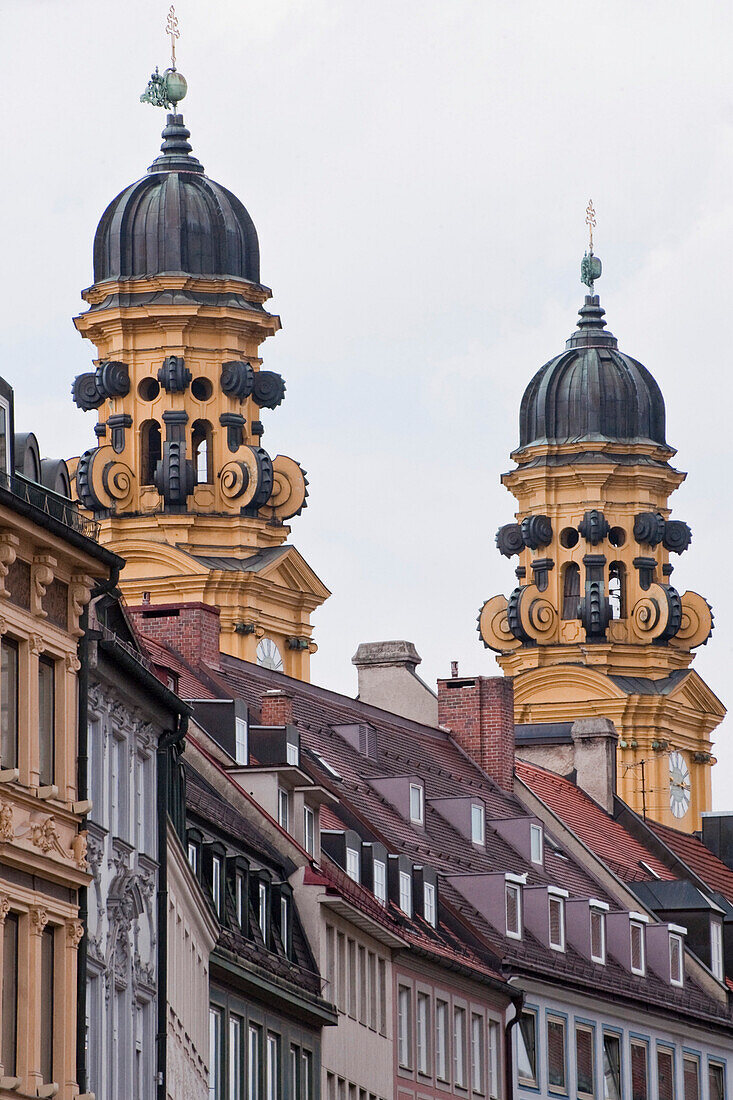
(418, 172)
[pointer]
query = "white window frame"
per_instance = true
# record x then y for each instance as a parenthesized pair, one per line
(422, 1032)
(239, 897)
(716, 950)
(380, 881)
(216, 869)
(193, 856)
(429, 904)
(405, 884)
(634, 926)
(216, 1017)
(561, 1022)
(254, 1062)
(493, 1077)
(536, 844)
(477, 1054)
(285, 922)
(241, 740)
(309, 830)
(234, 1056)
(459, 1047)
(353, 864)
(675, 937)
(559, 900)
(292, 754)
(417, 804)
(5, 405)
(442, 1048)
(516, 889)
(598, 909)
(478, 823)
(283, 808)
(262, 909)
(273, 1066)
(404, 1027)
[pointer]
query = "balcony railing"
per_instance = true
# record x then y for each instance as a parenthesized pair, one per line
(54, 505)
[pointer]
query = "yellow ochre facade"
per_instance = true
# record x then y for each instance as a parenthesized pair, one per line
(180, 480)
(595, 626)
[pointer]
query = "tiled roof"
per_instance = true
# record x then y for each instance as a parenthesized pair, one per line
(607, 838)
(165, 660)
(691, 850)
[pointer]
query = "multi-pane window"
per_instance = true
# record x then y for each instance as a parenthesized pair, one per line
(241, 748)
(429, 911)
(639, 1070)
(478, 823)
(9, 1040)
(513, 910)
(417, 803)
(423, 1033)
(48, 944)
(477, 1053)
(459, 1047)
(691, 1077)
(273, 1066)
(9, 704)
(611, 1066)
(494, 1066)
(557, 922)
(283, 809)
(598, 935)
(292, 755)
(309, 830)
(716, 1081)
(527, 1048)
(353, 868)
(236, 1057)
(536, 844)
(46, 721)
(441, 1040)
(716, 949)
(556, 1074)
(585, 1061)
(216, 883)
(254, 1062)
(676, 972)
(406, 893)
(404, 1027)
(636, 931)
(216, 1083)
(665, 1074)
(380, 881)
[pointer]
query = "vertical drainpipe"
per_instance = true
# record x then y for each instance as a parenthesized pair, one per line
(162, 789)
(82, 787)
(518, 1002)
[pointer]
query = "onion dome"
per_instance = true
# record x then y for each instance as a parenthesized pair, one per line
(176, 220)
(592, 392)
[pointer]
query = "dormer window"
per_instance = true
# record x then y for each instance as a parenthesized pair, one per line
(536, 843)
(353, 869)
(283, 808)
(417, 804)
(598, 935)
(478, 823)
(309, 830)
(716, 949)
(241, 746)
(638, 962)
(380, 881)
(285, 922)
(262, 909)
(557, 922)
(193, 856)
(429, 907)
(676, 968)
(406, 893)
(239, 897)
(216, 883)
(292, 754)
(513, 910)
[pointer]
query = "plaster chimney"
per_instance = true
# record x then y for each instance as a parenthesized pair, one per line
(479, 712)
(387, 679)
(594, 744)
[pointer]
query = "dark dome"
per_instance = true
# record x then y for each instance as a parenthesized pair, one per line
(592, 391)
(175, 219)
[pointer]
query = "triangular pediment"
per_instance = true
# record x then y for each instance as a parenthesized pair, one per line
(694, 693)
(290, 570)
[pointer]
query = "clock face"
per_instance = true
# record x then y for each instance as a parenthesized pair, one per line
(679, 784)
(268, 655)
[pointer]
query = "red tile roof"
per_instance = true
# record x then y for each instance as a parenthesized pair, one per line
(608, 839)
(165, 660)
(691, 850)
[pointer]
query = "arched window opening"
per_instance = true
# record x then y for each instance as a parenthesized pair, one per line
(201, 444)
(617, 589)
(571, 591)
(150, 450)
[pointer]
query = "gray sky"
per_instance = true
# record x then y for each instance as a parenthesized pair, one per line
(418, 173)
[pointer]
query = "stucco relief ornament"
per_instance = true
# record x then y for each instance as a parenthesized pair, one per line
(72, 663)
(74, 932)
(80, 592)
(6, 821)
(94, 853)
(37, 644)
(46, 837)
(42, 573)
(9, 544)
(79, 850)
(39, 918)
(4, 908)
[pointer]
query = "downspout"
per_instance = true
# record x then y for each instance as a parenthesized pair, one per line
(518, 1002)
(82, 793)
(163, 786)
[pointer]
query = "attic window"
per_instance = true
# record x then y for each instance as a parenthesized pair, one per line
(636, 931)
(429, 903)
(716, 949)
(380, 881)
(241, 748)
(676, 973)
(405, 893)
(598, 936)
(536, 843)
(478, 828)
(292, 754)
(216, 883)
(557, 922)
(352, 864)
(513, 911)
(417, 804)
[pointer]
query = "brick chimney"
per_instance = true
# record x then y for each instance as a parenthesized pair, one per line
(479, 712)
(276, 709)
(192, 629)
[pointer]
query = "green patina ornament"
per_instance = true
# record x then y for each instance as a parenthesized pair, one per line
(166, 90)
(590, 270)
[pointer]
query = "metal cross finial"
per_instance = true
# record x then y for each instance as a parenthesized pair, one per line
(171, 28)
(590, 218)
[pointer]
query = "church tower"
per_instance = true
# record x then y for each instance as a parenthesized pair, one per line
(595, 626)
(179, 478)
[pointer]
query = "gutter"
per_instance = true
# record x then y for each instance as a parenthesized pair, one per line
(518, 1002)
